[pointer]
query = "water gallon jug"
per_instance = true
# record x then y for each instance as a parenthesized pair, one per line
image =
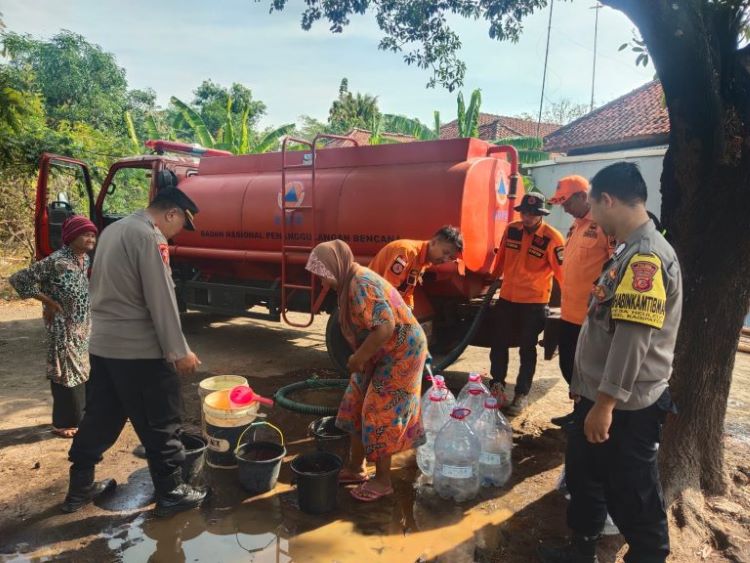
(434, 417)
(457, 449)
(474, 401)
(496, 441)
(474, 377)
(438, 384)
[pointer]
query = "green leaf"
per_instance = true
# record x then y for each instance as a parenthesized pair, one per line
(228, 129)
(244, 147)
(461, 115)
(152, 129)
(622, 47)
(270, 139)
(131, 132)
(642, 59)
(195, 122)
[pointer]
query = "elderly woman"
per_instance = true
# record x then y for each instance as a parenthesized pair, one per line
(380, 408)
(60, 282)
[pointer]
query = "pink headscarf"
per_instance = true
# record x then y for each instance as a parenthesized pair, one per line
(334, 260)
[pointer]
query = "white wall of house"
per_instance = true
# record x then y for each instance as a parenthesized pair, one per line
(650, 161)
(547, 173)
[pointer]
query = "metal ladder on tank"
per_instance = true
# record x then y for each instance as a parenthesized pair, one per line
(288, 289)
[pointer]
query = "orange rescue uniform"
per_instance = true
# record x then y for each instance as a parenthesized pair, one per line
(528, 261)
(402, 262)
(586, 250)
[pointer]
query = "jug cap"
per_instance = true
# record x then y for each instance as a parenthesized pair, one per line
(490, 403)
(460, 413)
(475, 376)
(436, 397)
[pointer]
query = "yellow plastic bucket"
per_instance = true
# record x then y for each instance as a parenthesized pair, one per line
(223, 427)
(213, 384)
(219, 383)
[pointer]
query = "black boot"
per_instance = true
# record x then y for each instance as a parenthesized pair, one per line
(83, 489)
(173, 495)
(581, 549)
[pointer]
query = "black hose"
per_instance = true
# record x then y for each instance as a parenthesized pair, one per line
(454, 354)
(282, 400)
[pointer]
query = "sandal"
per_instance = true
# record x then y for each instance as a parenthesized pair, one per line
(368, 494)
(348, 478)
(64, 432)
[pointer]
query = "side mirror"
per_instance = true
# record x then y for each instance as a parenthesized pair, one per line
(111, 189)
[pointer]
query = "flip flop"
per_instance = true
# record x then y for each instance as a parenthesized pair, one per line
(65, 432)
(346, 478)
(365, 494)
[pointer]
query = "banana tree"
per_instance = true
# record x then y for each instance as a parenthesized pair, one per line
(412, 126)
(529, 152)
(468, 118)
(246, 141)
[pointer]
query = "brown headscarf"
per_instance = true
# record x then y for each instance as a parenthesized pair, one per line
(334, 260)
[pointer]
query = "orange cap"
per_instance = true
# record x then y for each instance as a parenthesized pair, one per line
(567, 187)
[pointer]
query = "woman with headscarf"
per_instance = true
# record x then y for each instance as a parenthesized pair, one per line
(60, 282)
(380, 408)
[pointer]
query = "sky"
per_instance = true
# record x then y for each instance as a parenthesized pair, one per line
(172, 46)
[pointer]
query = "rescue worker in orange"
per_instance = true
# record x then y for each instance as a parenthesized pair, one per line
(587, 248)
(530, 254)
(402, 262)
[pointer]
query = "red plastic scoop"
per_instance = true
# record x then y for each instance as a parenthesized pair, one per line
(243, 395)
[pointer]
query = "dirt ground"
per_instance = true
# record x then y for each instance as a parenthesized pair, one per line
(412, 525)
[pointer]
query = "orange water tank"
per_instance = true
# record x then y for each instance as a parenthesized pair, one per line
(366, 196)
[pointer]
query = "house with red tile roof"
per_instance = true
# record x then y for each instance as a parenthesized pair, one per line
(493, 127)
(362, 136)
(636, 120)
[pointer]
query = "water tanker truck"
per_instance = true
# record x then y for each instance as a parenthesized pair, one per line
(260, 215)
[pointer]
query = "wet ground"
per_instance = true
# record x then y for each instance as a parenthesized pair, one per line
(411, 525)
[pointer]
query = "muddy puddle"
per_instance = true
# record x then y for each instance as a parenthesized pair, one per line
(411, 525)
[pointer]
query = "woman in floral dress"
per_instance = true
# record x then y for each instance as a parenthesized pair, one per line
(380, 408)
(60, 282)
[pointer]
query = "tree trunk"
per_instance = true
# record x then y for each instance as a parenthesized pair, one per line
(705, 208)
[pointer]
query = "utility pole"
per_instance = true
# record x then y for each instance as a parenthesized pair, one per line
(596, 32)
(544, 76)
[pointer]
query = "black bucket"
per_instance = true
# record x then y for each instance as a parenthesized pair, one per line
(195, 457)
(328, 438)
(317, 476)
(259, 464)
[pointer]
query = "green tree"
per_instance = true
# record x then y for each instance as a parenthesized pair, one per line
(413, 126)
(352, 110)
(78, 81)
(240, 140)
(211, 99)
(696, 47)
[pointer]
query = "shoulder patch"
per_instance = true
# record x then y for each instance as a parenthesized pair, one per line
(399, 265)
(164, 251)
(641, 296)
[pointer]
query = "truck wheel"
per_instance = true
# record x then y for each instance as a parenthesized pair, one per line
(338, 348)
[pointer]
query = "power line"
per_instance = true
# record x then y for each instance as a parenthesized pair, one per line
(544, 75)
(593, 70)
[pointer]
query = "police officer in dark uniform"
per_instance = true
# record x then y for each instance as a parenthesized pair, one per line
(137, 353)
(622, 365)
